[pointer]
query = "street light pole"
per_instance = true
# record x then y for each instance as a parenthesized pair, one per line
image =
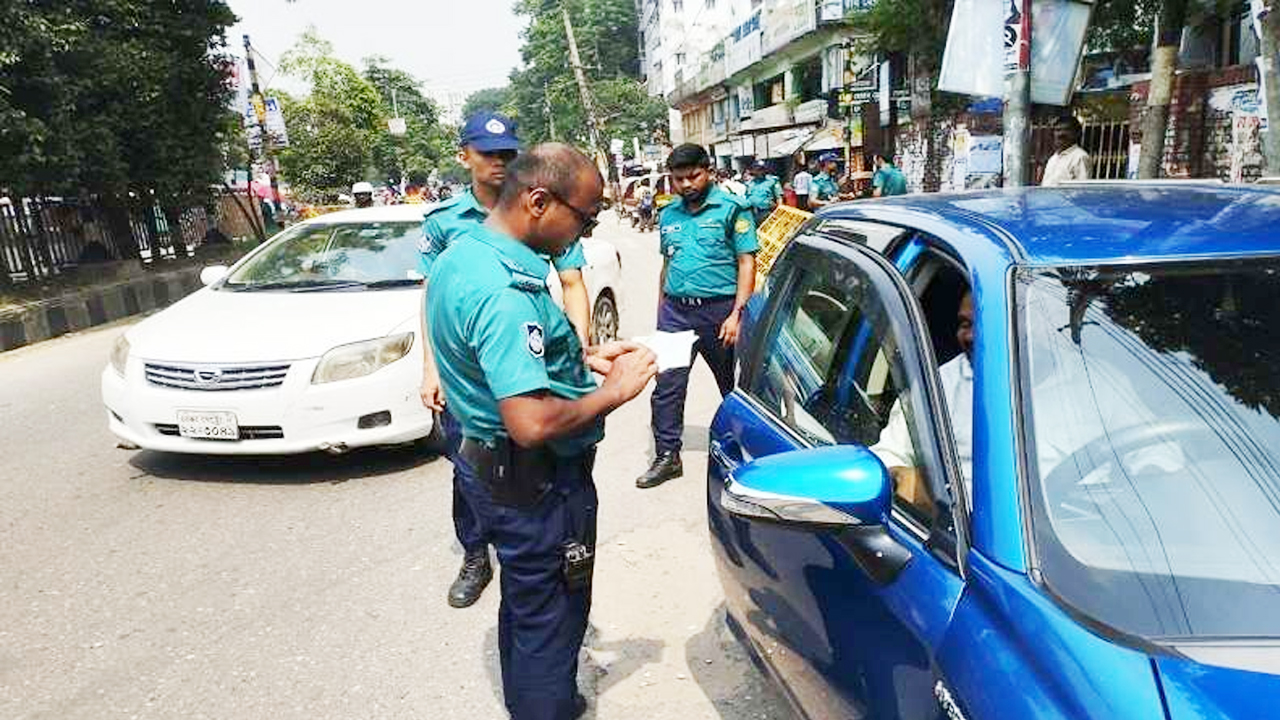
(260, 112)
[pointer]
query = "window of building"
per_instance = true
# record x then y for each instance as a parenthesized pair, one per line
(770, 92)
(679, 58)
(677, 5)
(711, 4)
(807, 77)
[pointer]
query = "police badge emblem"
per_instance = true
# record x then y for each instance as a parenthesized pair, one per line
(495, 126)
(533, 339)
(742, 225)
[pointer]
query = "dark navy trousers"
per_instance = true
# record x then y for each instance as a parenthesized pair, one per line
(541, 623)
(467, 523)
(667, 403)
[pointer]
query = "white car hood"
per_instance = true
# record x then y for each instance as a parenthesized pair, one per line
(236, 327)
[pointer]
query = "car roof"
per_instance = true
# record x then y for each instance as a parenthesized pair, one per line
(1099, 223)
(378, 213)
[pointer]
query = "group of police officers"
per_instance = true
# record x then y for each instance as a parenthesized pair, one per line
(511, 375)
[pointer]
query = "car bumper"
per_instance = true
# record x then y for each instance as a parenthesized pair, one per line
(294, 417)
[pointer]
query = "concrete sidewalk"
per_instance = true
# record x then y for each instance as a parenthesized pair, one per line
(80, 309)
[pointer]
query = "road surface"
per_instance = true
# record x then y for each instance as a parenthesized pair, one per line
(140, 585)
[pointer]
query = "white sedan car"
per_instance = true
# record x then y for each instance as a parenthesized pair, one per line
(309, 342)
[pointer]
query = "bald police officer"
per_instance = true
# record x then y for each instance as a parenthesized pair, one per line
(708, 241)
(487, 144)
(520, 385)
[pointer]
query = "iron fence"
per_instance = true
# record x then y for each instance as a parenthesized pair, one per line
(42, 237)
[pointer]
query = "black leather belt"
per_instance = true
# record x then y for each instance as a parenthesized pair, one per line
(700, 301)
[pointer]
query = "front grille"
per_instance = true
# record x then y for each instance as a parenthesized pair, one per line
(247, 432)
(216, 377)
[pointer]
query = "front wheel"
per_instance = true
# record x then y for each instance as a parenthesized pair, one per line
(604, 320)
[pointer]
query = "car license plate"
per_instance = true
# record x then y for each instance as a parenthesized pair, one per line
(208, 425)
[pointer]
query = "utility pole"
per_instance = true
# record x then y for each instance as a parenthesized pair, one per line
(1017, 109)
(260, 111)
(588, 106)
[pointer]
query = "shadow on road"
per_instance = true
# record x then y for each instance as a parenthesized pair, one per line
(735, 695)
(281, 470)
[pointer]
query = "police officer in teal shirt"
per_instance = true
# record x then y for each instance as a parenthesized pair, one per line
(763, 191)
(521, 386)
(825, 190)
(488, 143)
(708, 242)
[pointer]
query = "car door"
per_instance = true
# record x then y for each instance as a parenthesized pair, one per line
(837, 344)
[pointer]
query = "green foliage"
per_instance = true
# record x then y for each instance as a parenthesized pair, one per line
(338, 133)
(497, 99)
(912, 27)
(111, 97)
(544, 95)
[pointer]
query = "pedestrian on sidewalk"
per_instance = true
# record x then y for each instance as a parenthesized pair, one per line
(487, 143)
(888, 180)
(1070, 161)
(531, 415)
(801, 182)
(708, 242)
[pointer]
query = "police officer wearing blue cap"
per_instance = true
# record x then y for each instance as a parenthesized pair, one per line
(825, 190)
(708, 242)
(488, 144)
(521, 387)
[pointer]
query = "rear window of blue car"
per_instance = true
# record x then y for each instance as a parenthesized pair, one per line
(1152, 437)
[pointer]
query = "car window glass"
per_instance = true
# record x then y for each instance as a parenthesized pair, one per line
(831, 370)
(876, 236)
(364, 252)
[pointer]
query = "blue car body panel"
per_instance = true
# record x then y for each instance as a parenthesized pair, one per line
(994, 641)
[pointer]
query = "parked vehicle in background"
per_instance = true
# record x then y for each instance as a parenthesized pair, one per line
(1087, 523)
(310, 342)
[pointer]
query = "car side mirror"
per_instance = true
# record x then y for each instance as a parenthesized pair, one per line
(843, 489)
(213, 274)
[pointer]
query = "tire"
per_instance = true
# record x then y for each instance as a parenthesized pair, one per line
(604, 319)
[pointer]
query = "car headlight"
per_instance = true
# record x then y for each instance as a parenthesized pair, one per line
(359, 359)
(120, 355)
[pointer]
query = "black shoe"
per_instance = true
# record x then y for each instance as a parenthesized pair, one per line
(666, 466)
(472, 579)
(579, 706)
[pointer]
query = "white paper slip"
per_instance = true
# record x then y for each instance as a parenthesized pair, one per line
(673, 349)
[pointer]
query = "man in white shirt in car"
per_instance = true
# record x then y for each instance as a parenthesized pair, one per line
(1070, 162)
(895, 448)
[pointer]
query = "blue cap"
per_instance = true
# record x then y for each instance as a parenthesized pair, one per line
(489, 132)
(828, 157)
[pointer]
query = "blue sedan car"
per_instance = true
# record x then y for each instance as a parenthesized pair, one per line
(1012, 454)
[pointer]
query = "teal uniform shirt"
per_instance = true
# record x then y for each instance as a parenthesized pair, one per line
(446, 221)
(497, 333)
(764, 193)
(824, 188)
(702, 248)
(890, 180)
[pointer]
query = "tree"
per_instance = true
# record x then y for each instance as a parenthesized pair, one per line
(1164, 66)
(543, 95)
(425, 145)
(111, 97)
(332, 129)
(496, 99)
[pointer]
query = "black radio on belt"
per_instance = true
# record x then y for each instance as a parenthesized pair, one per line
(579, 560)
(515, 475)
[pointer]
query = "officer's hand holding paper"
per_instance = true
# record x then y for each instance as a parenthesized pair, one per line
(674, 349)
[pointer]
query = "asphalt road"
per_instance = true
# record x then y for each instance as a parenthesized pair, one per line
(141, 585)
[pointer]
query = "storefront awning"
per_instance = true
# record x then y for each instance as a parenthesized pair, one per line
(828, 138)
(788, 145)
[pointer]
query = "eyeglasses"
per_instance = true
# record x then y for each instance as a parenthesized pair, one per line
(587, 222)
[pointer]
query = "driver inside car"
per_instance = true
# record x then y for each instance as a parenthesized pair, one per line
(895, 448)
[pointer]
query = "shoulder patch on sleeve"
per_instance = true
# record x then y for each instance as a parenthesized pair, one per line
(742, 225)
(534, 339)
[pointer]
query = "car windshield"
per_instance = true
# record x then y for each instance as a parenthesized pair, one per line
(1153, 444)
(334, 255)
